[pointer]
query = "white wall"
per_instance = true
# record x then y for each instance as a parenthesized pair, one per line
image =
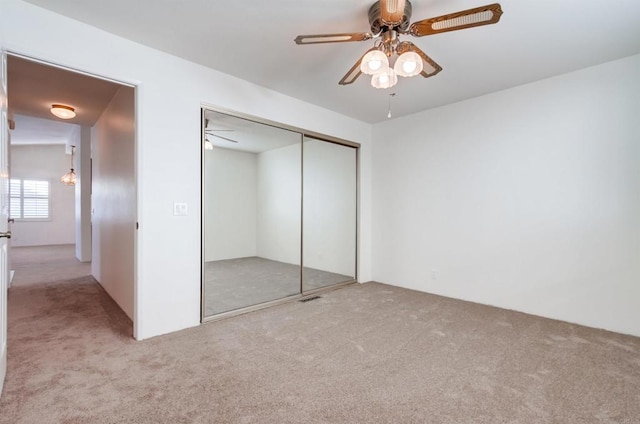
(329, 218)
(231, 184)
(113, 200)
(45, 162)
(250, 212)
(168, 274)
(83, 194)
(279, 203)
(527, 199)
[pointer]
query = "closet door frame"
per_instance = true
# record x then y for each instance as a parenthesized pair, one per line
(303, 133)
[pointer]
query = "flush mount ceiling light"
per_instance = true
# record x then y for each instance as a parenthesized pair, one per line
(390, 19)
(70, 177)
(63, 111)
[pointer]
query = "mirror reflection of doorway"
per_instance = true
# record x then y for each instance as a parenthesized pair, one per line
(255, 177)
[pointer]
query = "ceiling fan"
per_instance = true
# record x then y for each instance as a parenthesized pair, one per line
(391, 18)
(212, 133)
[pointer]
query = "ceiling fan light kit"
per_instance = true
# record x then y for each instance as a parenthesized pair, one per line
(384, 79)
(391, 18)
(374, 62)
(408, 64)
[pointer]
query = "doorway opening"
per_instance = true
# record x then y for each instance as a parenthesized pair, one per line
(90, 224)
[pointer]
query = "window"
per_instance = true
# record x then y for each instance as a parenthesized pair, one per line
(29, 199)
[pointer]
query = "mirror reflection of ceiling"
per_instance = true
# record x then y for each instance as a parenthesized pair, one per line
(230, 132)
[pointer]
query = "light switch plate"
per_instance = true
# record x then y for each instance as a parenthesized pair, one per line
(180, 209)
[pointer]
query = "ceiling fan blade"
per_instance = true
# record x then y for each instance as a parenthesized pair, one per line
(352, 75)
(332, 38)
(429, 67)
(224, 138)
(392, 11)
(483, 15)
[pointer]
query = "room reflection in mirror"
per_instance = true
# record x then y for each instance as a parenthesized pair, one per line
(253, 213)
(329, 214)
(252, 195)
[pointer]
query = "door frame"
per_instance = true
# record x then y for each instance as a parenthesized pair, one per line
(303, 133)
(4, 216)
(138, 150)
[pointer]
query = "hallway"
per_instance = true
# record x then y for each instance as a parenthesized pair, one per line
(46, 264)
(59, 321)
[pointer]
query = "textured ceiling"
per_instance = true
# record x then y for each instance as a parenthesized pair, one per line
(253, 40)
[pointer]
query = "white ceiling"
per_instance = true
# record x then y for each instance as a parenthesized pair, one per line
(30, 130)
(253, 40)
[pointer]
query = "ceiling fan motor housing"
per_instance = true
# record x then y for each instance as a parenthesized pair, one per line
(378, 25)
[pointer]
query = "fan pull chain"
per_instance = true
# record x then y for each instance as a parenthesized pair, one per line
(390, 97)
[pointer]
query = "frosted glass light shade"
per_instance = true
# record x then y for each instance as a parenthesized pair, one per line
(409, 64)
(384, 79)
(69, 178)
(208, 145)
(374, 63)
(63, 111)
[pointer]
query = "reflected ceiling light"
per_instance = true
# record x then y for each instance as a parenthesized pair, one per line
(207, 144)
(70, 177)
(63, 111)
(374, 62)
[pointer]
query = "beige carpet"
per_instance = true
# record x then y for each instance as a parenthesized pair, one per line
(367, 353)
(43, 264)
(237, 283)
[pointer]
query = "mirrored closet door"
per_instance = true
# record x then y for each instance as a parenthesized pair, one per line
(251, 199)
(256, 228)
(329, 214)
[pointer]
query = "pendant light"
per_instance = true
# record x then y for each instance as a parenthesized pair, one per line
(70, 177)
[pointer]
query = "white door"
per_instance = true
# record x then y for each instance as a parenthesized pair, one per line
(4, 215)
